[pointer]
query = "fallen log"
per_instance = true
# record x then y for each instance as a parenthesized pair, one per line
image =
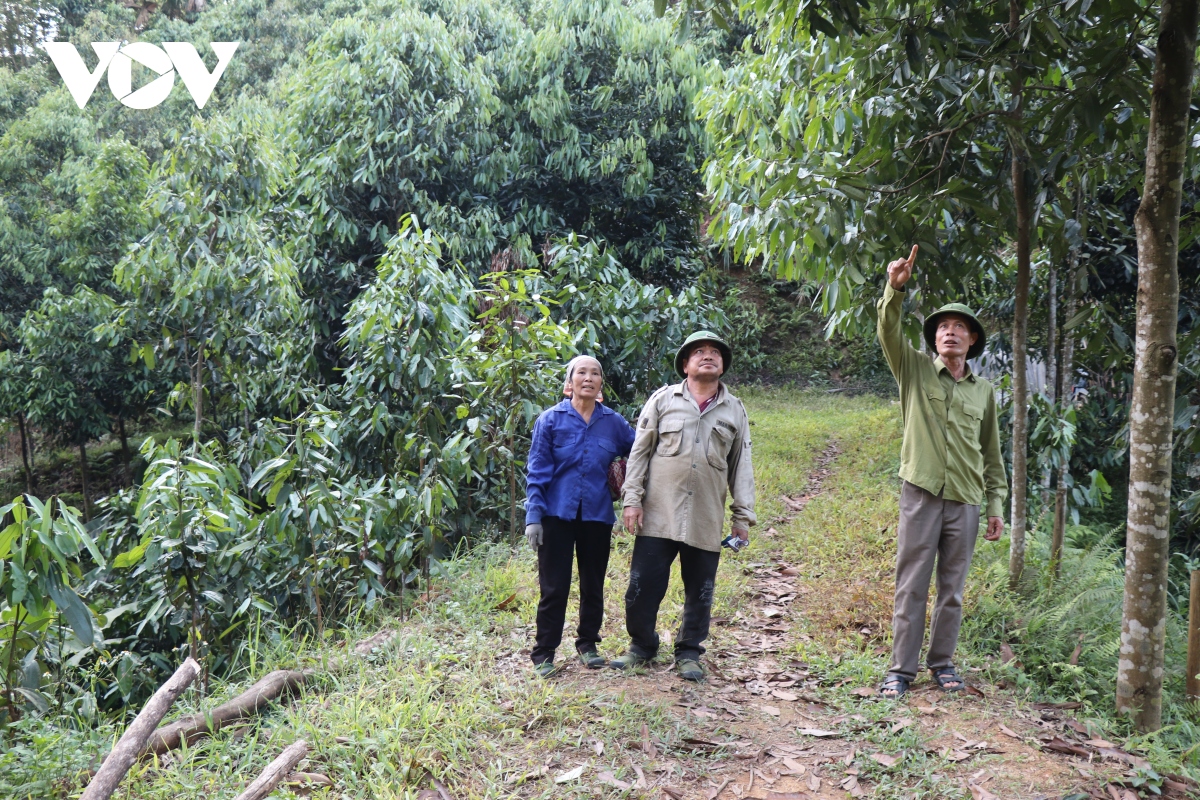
(127, 749)
(378, 641)
(247, 704)
(275, 772)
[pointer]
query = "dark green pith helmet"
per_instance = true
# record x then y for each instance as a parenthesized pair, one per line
(685, 350)
(931, 323)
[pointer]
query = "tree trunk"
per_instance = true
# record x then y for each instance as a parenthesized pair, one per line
(126, 751)
(1051, 360)
(26, 454)
(126, 459)
(18, 616)
(83, 480)
(1052, 336)
(1193, 651)
(1151, 414)
(1020, 379)
(194, 631)
(1066, 383)
(198, 392)
(513, 452)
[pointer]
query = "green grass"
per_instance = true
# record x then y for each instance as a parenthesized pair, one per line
(453, 696)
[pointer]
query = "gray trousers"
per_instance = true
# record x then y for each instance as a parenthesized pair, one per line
(930, 528)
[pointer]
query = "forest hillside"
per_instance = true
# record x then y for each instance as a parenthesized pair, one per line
(270, 362)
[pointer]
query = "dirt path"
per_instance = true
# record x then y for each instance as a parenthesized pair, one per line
(776, 731)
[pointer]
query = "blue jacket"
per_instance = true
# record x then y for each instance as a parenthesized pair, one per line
(567, 471)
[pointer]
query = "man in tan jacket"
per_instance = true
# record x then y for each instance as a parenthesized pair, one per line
(692, 450)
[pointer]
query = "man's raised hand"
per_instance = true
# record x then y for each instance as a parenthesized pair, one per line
(900, 270)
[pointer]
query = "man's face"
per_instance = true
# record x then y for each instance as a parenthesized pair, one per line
(704, 362)
(954, 336)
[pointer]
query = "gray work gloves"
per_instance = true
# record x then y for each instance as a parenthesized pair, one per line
(534, 534)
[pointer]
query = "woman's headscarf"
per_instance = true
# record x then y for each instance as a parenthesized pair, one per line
(572, 364)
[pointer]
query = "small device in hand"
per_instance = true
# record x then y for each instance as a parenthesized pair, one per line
(734, 542)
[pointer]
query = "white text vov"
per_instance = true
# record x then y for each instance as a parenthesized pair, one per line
(165, 59)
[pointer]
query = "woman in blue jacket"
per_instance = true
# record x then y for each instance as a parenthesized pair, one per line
(569, 509)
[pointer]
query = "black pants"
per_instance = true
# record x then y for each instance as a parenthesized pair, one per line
(563, 541)
(649, 572)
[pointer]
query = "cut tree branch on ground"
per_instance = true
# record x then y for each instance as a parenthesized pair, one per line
(250, 702)
(275, 772)
(247, 704)
(127, 750)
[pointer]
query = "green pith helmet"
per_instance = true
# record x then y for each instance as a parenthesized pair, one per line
(685, 350)
(931, 323)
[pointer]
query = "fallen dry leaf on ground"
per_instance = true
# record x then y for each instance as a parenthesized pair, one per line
(1007, 731)
(608, 778)
(712, 795)
(567, 777)
(817, 732)
(309, 779)
(980, 793)
(884, 759)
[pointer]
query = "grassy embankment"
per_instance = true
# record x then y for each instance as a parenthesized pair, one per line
(452, 697)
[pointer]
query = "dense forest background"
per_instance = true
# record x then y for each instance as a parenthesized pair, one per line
(262, 365)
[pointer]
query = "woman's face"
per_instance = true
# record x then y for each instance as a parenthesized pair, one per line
(587, 380)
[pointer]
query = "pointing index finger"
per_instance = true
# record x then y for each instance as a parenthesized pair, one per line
(912, 257)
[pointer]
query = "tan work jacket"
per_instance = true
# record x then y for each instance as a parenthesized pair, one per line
(683, 463)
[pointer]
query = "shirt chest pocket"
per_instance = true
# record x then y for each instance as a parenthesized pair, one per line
(969, 419)
(606, 449)
(719, 443)
(564, 446)
(937, 401)
(670, 437)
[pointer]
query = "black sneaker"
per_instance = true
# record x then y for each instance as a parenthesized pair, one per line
(629, 661)
(591, 659)
(690, 669)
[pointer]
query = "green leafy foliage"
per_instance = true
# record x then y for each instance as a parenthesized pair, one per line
(41, 563)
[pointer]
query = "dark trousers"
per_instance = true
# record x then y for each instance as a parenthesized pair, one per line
(562, 542)
(649, 572)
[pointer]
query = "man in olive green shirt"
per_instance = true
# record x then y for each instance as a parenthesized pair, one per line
(950, 464)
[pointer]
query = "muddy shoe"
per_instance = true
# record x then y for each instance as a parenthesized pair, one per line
(546, 669)
(629, 661)
(690, 669)
(591, 659)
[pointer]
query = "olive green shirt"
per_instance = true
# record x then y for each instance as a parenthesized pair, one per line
(951, 434)
(684, 464)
